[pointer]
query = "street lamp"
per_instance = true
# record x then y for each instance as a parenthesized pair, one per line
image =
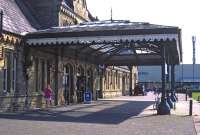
(1, 22)
(194, 58)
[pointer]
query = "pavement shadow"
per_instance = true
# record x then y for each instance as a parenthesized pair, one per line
(103, 113)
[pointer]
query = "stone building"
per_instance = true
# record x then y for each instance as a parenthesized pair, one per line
(26, 70)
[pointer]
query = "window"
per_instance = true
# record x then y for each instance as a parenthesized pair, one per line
(8, 73)
(4, 80)
(108, 79)
(113, 80)
(14, 74)
(116, 77)
(118, 81)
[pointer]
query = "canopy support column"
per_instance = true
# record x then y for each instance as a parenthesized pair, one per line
(56, 75)
(100, 94)
(163, 107)
(130, 80)
(169, 101)
(173, 96)
(102, 74)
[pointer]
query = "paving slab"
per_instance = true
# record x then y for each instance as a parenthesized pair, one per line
(117, 116)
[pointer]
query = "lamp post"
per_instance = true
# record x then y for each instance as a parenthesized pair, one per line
(194, 58)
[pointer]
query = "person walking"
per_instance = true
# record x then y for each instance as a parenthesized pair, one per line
(48, 95)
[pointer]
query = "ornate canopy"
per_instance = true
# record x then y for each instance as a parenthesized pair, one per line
(115, 42)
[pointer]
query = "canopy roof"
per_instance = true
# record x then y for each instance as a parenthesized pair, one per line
(113, 42)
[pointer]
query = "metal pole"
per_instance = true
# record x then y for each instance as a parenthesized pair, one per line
(163, 107)
(163, 74)
(173, 96)
(130, 80)
(191, 103)
(194, 58)
(169, 101)
(182, 81)
(186, 94)
(193, 76)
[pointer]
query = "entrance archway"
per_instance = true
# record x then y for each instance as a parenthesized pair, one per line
(68, 84)
(81, 81)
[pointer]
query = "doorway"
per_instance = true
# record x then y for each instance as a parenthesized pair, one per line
(123, 86)
(68, 87)
(90, 82)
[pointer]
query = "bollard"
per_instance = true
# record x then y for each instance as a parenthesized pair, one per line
(190, 111)
(186, 96)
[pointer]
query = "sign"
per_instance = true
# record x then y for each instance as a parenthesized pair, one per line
(87, 97)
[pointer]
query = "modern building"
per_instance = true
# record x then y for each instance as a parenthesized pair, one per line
(25, 69)
(187, 75)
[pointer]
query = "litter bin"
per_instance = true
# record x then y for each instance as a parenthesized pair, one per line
(87, 97)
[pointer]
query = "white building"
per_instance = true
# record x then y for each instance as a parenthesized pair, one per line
(188, 74)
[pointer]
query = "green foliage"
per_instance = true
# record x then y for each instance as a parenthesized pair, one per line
(195, 95)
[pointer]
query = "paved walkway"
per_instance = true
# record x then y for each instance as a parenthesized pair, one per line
(118, 116)
(183, 110)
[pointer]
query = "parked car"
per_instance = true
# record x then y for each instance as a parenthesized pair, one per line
(139, 90)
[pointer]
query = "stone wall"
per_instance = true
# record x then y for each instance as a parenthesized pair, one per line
(65, 20)
(56, 73)
(80, 8)
(116, 81)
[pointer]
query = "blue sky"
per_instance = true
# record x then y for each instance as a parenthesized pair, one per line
(181, 13)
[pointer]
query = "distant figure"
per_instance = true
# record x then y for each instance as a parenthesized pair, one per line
(48, 95)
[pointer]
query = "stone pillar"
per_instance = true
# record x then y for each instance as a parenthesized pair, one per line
(100, 94)
(58, 76)
(21, 80)
(101, 74)
(75, 83)
(86, 76)
(163, 107)
(130, 81)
